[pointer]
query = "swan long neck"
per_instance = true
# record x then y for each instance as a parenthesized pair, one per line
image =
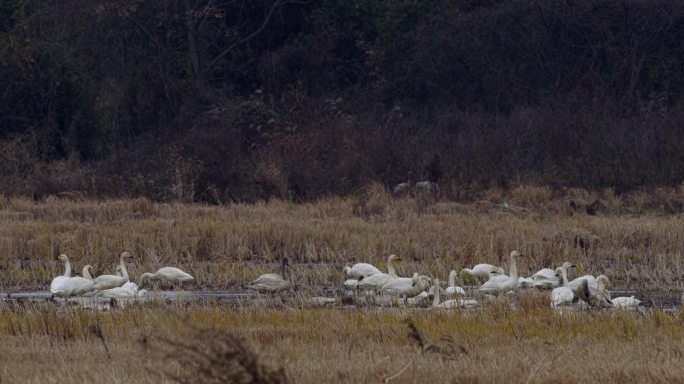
(124, 272)
(564, 275)
(513, 268)
(390, 267)
(67, 268)
(143, 276)
(452, 278)
(86, 272)
(435, 301)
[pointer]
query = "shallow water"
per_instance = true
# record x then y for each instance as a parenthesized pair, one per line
(667, 301)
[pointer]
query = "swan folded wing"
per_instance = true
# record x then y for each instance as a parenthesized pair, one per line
(626, 302)
(453, 291)
(117, 293)
(562, 296)
(545, 274)
(103, 282)
(497, 284)
(270, 282)
(56, 283)
(374, 282)
(362, 270)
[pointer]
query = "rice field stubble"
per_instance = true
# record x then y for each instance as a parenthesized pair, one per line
(224, 247)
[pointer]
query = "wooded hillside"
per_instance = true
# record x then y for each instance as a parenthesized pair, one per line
(218, 101)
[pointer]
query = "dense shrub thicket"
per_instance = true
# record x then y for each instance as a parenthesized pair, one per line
(199, 100)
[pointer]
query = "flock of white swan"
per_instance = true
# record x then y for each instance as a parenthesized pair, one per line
(587, 290)
(366, 279)
(111, 286)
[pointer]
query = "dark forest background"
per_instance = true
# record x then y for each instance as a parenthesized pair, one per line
(242, 100)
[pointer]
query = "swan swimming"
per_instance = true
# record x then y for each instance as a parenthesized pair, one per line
(57, 281)
(272, 282)
(103, 282)
(501, 283)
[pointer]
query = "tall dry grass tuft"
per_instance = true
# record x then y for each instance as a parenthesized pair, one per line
(203, 355)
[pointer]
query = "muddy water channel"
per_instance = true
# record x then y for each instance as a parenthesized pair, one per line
(664, 300)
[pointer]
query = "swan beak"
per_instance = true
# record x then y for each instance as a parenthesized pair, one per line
(573, 266)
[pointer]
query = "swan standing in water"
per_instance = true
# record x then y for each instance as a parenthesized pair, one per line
(168, 275)
(502, 283)
(57, 281)
(454, 303)
(453, 290)
(77, 285)
(272, 282)
(103, 282)
(483, 271)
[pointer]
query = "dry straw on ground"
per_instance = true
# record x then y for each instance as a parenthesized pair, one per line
(226, 246)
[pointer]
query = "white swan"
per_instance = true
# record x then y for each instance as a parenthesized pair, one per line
(592, 285)
(406, 286)
(626, 302)
(272, 282)
(548, 279)
(168, 275)
(563, 295)
(77, 285)
(483, 271)
(361, 270)
(103, 282)
(57, 281)
(453, 290)
(454, 303)
(127, 290)
(501, 283)
(374, 282)
(598, 294)
(525, 282)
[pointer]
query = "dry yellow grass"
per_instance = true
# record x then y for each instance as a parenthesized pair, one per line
(224, 247)
(494, 344)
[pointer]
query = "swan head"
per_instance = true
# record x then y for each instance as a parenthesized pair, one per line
(394, 257)
(125, 255)
(515, 254)
(347, 271)
(559, 272)
(62, 257)
(603, 279)
(88, 268)
(567, 265)
(497, 271)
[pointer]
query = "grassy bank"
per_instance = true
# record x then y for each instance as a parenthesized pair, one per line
(226, 246)
(197, 344)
